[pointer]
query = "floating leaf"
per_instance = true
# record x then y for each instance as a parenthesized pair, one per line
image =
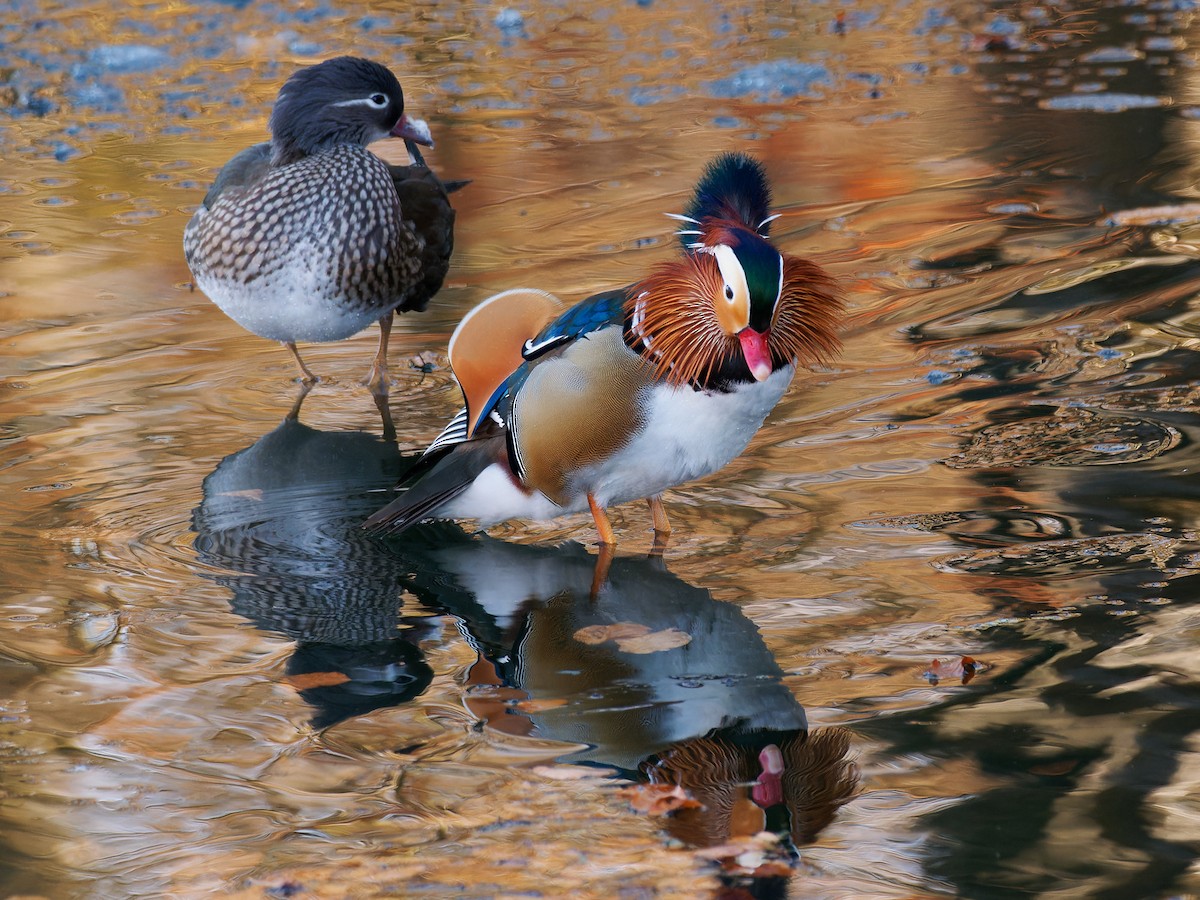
(309, 680)
(598, 634)
(667, 639)
(658, 799)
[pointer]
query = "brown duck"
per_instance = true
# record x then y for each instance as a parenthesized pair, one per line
(310, 236)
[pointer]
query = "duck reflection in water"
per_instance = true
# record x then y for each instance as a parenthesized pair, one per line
(280, 519)
(650, 675)
(644, 672)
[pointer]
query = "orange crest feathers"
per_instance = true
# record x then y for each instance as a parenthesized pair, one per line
(673, 312)
(808, 315)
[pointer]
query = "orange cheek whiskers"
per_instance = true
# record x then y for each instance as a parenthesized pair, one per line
(678, 321)
(809, 313)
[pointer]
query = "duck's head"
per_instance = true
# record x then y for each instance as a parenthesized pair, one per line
(734, 308)
(748, 284)
(346, 100)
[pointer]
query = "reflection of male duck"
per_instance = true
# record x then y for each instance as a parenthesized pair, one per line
(281, 517)
(644, 671)
(651, 673)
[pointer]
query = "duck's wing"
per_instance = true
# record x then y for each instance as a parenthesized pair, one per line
(493, 351)
(425, 201)
(486, 349)
(243, 171)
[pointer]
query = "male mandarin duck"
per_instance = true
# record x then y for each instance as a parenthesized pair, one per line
(632, 391)
(310, 236)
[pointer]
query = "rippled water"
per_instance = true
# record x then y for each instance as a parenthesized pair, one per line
(949, 583)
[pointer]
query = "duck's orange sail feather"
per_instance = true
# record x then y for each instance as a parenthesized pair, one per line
(486, 346)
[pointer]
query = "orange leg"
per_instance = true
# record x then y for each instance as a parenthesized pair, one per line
(602, 524)
(294, 412)
(608, 546)
(604, 559)
(377, 378)
(306, 375)
(662, 525)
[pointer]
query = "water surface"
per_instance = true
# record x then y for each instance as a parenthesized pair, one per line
(214, 683)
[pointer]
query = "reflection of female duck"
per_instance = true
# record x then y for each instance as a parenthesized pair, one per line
(281, 517)
(651, 674)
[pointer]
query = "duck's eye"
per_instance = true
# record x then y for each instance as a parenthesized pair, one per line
(728, 292)
(379, 101)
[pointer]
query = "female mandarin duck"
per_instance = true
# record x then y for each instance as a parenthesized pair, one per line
(632, 391)
(311, 237)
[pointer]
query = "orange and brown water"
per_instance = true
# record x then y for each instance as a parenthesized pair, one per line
(213, 682)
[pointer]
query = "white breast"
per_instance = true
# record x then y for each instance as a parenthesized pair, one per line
(689, 434)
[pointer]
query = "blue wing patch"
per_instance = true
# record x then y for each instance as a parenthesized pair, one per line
(583, 318)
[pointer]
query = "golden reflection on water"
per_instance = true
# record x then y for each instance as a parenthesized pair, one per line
(184, 581)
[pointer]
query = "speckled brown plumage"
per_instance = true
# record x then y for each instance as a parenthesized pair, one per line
(285, 233)
(311, 237)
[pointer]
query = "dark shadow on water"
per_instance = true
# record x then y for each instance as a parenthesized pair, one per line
(649, 675)
(281, 518)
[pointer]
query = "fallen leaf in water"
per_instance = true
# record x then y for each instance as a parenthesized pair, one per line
(537, 706)
(617, 631)
(598, 634)
(956, 668)
(658, 799)
(249, 494)
(572, 773)
(309, 680)
(667, 639)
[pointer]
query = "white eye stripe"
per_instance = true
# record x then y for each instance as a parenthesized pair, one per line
(375, 101)
(732, 272)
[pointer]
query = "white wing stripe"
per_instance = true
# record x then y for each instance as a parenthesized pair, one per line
(454, 433)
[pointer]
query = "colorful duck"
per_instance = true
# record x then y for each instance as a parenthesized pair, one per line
(310, 236)
(632, 391)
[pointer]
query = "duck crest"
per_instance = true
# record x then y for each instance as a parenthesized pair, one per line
(693, 317)
(732, 191)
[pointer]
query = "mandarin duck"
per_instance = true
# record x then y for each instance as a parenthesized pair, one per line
(634, 390)
(310, 236)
